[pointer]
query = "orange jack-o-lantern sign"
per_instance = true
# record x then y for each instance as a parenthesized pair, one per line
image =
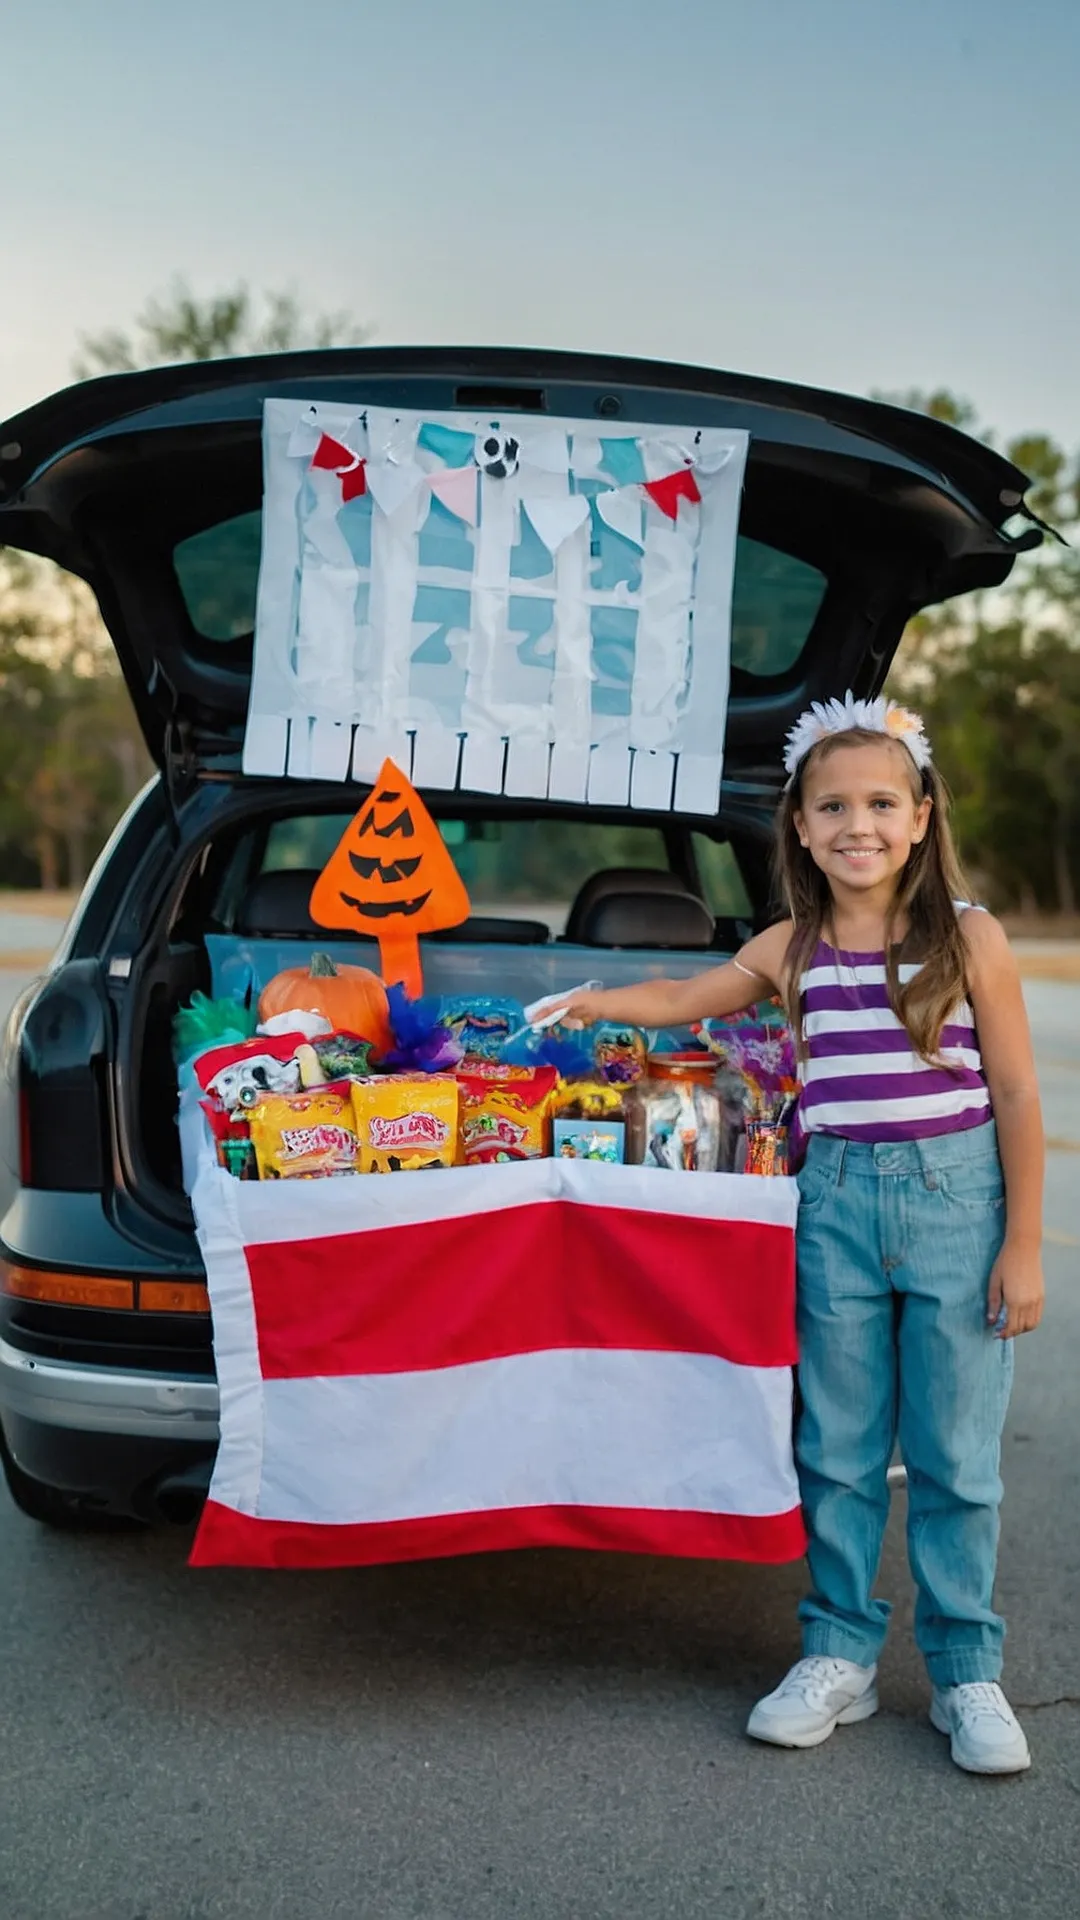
(391, 875)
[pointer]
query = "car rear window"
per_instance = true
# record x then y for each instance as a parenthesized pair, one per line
(531, 868)
(775, 604)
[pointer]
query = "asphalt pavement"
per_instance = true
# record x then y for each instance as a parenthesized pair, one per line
(555, 1735)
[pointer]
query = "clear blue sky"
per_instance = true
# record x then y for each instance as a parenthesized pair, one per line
(856, 193)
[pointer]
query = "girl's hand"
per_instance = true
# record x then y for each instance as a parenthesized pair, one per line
(1017, 1289)
(584, 1010)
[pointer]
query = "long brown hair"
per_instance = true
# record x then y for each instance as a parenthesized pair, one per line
(931, 881)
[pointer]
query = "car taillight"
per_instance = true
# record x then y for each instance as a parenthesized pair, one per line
(63, 1289)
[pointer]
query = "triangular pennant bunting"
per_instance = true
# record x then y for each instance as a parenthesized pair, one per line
(673, 487)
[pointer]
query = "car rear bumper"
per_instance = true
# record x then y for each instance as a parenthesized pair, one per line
(87, 1399)
(138, 1444)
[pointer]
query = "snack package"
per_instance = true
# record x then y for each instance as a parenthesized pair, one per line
(406, 1124)
(587, 1100)
(342, 1056)
(480, 1024)
(304, 1136)
(588, 1122)
(232, 1141)
(494, 1070)
(238, 1077)
(589, 1140)
(506, 1118)
(620, 1053)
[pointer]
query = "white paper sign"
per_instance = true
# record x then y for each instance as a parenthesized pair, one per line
(526, 606)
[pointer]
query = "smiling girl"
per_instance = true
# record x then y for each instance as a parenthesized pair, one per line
(919, 1218)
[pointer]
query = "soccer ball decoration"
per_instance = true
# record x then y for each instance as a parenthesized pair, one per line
(497, 454)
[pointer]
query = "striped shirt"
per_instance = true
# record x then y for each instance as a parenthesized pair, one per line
(861, 1078)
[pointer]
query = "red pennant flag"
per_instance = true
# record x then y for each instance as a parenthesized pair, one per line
(667, 493)
(353, 481)
(330, 456)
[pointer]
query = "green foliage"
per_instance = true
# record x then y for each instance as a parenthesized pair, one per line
(180, 326)
(71, 754)
(997, 679)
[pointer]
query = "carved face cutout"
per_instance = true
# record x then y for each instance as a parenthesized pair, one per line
(391, 876)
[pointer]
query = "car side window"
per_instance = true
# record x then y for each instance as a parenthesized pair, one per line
(722, 883)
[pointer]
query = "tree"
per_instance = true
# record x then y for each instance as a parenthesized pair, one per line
(71, 754)
(180, 326)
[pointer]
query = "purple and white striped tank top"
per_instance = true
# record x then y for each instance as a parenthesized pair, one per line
(861, 1078)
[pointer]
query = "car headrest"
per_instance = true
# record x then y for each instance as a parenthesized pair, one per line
(640, 919)
(276, 905)
(617, 880)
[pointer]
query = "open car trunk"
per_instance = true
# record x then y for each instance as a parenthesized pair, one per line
(555, 901)
(853, 515)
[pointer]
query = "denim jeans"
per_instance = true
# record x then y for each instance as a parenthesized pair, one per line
(895, 1247)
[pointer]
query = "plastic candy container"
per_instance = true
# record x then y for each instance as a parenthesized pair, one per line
(676, 1119)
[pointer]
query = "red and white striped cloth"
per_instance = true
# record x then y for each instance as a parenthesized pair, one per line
(547, 1353)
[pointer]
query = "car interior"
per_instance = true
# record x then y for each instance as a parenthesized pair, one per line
(598, 885)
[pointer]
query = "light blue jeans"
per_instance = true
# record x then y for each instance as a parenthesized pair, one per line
(895, 1247)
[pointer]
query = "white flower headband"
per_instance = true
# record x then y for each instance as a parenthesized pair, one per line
(841, 716)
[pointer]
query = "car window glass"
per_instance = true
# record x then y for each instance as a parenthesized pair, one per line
(218, 572)
(526, 868)
(775, 600)
(774, 605)
(722, 885)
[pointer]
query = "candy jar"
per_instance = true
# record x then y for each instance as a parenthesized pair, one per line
(675, 1118)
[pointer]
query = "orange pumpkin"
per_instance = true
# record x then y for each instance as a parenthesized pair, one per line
(353, 999)
(392, 876)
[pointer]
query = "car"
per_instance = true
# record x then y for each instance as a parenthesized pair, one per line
(855, 515)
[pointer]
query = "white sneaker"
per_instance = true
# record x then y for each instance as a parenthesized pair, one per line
(819, 1693)
(984, 1732)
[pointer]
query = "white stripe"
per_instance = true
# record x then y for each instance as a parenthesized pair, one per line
(239, 1463)
(920, 1106)
(871, 1020)
(838, 974)
(261, 1213)
(852, 1066)
(676, 1431)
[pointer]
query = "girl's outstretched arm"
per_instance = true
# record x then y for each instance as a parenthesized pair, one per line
(1005, 1043)
(756, 974)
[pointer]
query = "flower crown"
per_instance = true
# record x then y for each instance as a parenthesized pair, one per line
(842, 716)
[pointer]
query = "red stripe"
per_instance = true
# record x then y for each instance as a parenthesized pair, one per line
(229, 1539)
(449, 1292)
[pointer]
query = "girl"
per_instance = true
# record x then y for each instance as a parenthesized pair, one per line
(919, 1219)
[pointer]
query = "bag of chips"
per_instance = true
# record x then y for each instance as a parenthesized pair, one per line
(304, 1136)
(506, 1119)
(406, 1124)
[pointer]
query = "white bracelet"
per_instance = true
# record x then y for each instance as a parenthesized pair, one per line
(749, 971)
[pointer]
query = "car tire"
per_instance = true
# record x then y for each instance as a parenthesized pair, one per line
(53, 1507)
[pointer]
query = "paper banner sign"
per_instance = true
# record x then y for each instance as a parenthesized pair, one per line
(522, 604)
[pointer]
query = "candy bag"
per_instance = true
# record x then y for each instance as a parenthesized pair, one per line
(506, 1119)
(480, 1024)
(621, 1053)
(406, 1124)
(304, 1136)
